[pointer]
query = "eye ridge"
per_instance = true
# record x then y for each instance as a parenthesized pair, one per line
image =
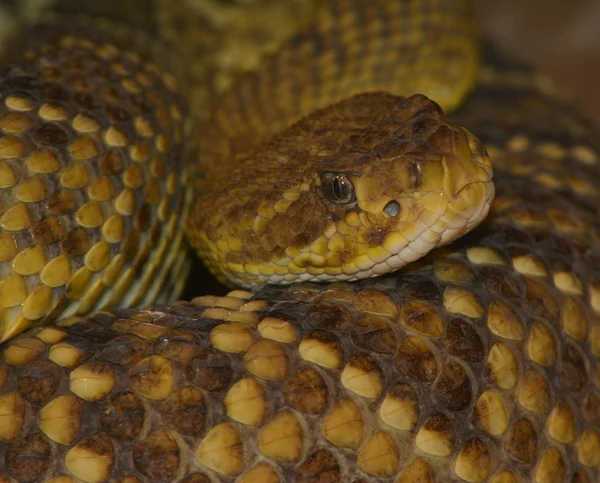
(337, 188)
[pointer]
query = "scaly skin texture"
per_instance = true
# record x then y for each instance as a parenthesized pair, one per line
(91, 166)
(96, 135)
(254, 227)
(478, 364)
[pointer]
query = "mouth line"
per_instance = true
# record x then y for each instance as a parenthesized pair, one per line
(471, 183)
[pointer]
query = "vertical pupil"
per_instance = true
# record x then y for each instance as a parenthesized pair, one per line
(337, 188)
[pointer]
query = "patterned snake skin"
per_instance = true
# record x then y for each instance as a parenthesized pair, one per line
(416, 181)
(477, 364)
(91, 169)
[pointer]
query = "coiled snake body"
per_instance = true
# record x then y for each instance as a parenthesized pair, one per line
(477, 364)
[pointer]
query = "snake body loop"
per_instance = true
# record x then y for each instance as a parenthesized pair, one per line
(92, 163)
(477, 363)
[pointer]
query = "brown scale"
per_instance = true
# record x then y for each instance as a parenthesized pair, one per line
(257, 231)
(469, 367)
(90, 163)
(478, 364)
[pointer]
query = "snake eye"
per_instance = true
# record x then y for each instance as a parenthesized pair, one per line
(337, 188)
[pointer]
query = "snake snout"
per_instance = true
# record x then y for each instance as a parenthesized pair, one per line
(468, 184)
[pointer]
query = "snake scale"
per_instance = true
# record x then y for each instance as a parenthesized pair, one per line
(476, 363)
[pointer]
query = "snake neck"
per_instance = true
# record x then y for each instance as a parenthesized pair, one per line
(400, 47)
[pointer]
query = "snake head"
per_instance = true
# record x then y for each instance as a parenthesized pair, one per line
(356, 190)
(405, 184)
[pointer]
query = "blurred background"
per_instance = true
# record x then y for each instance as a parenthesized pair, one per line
(561, 38)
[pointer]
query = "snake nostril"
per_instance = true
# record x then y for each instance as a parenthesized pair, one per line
(392, 208)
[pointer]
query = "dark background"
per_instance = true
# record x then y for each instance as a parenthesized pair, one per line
(561, 37)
